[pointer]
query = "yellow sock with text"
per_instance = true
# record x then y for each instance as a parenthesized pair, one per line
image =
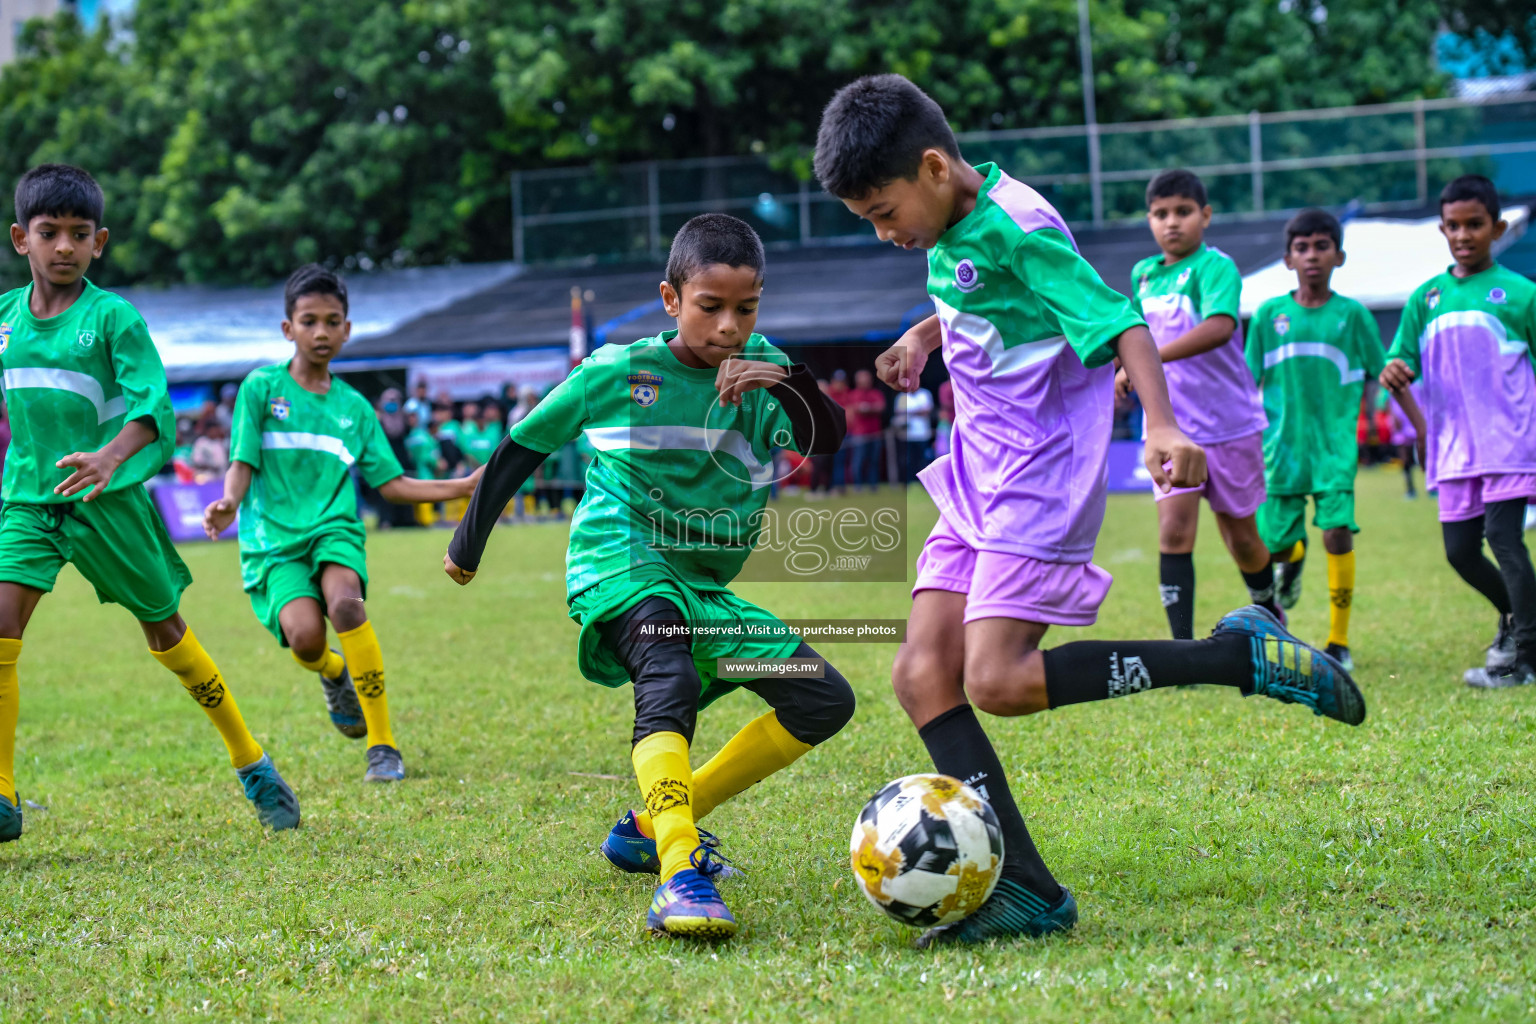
(330, 664)
(10, 707)
(666, 782)
(1341, 594)
(366, 662)
(202, 680)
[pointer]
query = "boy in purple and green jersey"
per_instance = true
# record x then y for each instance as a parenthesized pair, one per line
(1189, 294)
(1466, 335)
(1029, 333)
(1311, 350)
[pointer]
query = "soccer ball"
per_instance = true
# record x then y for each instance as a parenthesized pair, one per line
(927, 850)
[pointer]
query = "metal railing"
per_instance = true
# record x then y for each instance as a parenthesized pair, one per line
(1386, 155)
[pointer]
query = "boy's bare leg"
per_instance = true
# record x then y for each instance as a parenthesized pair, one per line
(1177, 520)
(1252, 557)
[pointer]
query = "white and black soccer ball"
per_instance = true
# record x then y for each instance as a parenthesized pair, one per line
(927, 850)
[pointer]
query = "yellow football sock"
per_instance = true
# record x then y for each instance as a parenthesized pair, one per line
(202, 680)
(1297, 553)
(762, 747)
(10, 705)
(1341, 594)
(366, 662)
(661, 768)
(329, 664)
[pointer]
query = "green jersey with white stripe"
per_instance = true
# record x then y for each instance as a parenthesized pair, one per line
(677, 482)
(71, 382)
(302, 447)
(1311, 365)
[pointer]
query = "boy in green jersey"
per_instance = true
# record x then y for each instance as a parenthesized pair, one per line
(1189, 295)
(684, 425)
(91, 420)
(426, 455)
(298, 431)
(1311, 351)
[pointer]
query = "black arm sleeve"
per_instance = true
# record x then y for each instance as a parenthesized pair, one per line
(818, 421)
(509, 466)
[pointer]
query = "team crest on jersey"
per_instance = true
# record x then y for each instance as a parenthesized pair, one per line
(644, 388)
(966, 278)
(280, 407)
(1282, 325)
(1183, 279)
(1498, 296)
(85, 339)
(1432, 298)
(1143, 286)
(5, 338)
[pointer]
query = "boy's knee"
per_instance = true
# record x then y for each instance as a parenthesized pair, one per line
(346, 612)
(819, 710)
(1338, 541)
(306, 641)
(920, 677)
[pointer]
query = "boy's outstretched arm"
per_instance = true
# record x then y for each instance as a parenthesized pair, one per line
(1166, 443)
(408, 490)
(509, 466)
(95, 469)
(219, 514)
(1212, 332)
(900, 367)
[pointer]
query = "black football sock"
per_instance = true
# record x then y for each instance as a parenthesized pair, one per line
(1090, 670)
(1261, 588)
(959, 747)
(1176, 581)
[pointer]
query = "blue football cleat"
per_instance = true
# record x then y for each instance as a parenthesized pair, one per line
(341, 701)
(276, 806)
(1010, 911)
(384, 764)
(10, 819)
(629, 849)
(688, 904)
(1292, 672)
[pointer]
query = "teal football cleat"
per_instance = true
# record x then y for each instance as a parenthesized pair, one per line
(688, 905)
(384, 764)
(1340, 654)
(341, 701)
(10, 820)
(1287, 670)
(1010, 911)
(276, 806)
(630, 850)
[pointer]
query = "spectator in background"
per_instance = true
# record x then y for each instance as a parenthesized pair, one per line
(224, 412)
(821, 465)
(210, 454)
(392, 418)
(419, 405)
(946, 422)
(528, 398)
(181, 455)
(866, 404)
(842, 395)
(487, 435)
(912, 420)
(508, 402)
(445, 431)
(425, 454)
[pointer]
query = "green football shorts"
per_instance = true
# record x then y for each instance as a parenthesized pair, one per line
(118, 542)
(719, 619)
(287, 576)
(1282, 517)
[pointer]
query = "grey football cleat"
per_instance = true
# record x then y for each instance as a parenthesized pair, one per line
(341, 702)
(384, 764)
(1502, 653)
(1288, 583)
(1499, 679)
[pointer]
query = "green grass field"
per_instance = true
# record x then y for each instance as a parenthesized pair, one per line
(1234, 860)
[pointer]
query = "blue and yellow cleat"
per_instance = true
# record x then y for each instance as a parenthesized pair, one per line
(1010, 912)
(10, 820)
(276, 806)
(342, 704)
(629, 849)
(688, 905)
(1292, 672)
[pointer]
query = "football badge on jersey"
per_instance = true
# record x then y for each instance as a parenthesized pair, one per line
(644, 388)
(280, 407)
(1432, 298)
(85, 339)
(1498, 296)
(5, 338)
(1282, 325)
(1183, 279)
(966, 277)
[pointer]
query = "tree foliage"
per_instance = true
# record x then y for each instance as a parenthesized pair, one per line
(235, 138)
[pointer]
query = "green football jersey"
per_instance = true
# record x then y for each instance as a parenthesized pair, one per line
(302, 447)
(677, 481)
(479, 442)
(424, 451)
(71, 382)
(1311, 365)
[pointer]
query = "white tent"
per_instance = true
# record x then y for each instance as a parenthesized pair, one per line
(1385, 260)
(206, 333)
